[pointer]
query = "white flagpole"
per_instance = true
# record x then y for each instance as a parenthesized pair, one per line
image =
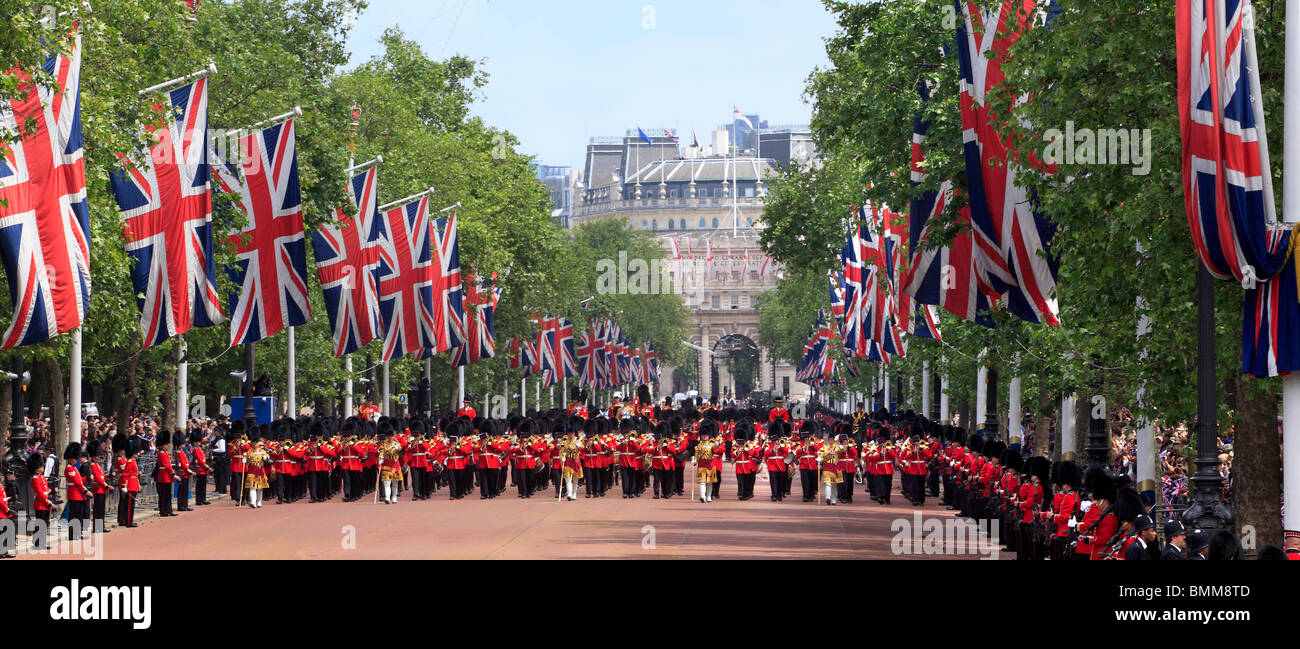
(428, 378)
(1291, 213)
(211, 69)
(347, 360)
(293, 375)
(523, 397)
(925, 389)
(460, 373)
(74, 388)
(386, 409)
(182, 385)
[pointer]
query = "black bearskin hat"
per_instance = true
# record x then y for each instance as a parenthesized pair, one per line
(72, 452)
(1128, 505)
(976, 443)
(1069, 473)
(643, 393)
(993, 450)
(179, 438)
(1012, 459)
(1100, 485)
(34, 464)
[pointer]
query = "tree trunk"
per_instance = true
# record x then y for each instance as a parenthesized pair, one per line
(1256, 464)
(36, 392)
(1082, 419)
(58, 400)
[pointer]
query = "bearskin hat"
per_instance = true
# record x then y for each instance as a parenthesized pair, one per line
(993, 450)
(34, 464)
(643, 393)
(72, 452)
(1012, 459)
(709, 427)
(976, 443)
(1128, 505)
(179, 438)
(1069, 473)
(1100, 485)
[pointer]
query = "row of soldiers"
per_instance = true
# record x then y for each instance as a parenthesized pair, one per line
(1056, 511)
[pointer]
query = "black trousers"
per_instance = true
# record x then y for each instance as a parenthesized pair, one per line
(745, 484)
(501, 479)
(557, 476)
(164, 498)
(593, 479)
(487, 482)
(98, 510)
(932, 483)
(776, 483)
(665, 481)
(201, 489)
(524, 481)
(221, 471)
(885, 486)
(126, 507)
(78, 518)
(717, 485)
(316, 485)
(808, 480)
(38, 528)
(846, 488)
(237, 486)
(629, 480)
(183, 495)
(679, 476)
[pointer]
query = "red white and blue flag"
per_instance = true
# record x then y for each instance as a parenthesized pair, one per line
(1012, 238)
(44, 218)
(347, 258)
(271, 249)
(166, 208)
(523, 354)
(1227, 186)
(406, 280)
(479, 324)
(449, 298)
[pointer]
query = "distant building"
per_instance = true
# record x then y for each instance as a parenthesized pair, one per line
(561, 182)
(700, 197)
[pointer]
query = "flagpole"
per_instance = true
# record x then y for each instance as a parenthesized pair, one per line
(460, 373)
(74, 387)
(293, 374)
(1291, 213)
(523, 396)
(386, 409)
(210, 70)
(182, 384)
(428, 378)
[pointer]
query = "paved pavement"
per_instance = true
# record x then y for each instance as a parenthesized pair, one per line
(542, 528)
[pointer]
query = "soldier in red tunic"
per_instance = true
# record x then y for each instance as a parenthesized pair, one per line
(164, 477)
(201, 469)
(182, 471)
(8, 526)
(39, 528)
(79, 493)
(99, 486)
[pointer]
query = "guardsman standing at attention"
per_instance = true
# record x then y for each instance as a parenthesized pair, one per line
(237, 447)
(181, 466)
(201, 469)
(165, 475)
(848, 466)
(79, 494)
(39, 528)
(100, 486)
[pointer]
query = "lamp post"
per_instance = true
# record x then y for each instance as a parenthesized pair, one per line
(15, 459)
(1208, 511)
(250, 413)
(1098, 448)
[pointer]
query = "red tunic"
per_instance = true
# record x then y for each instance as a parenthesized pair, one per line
(164, 468)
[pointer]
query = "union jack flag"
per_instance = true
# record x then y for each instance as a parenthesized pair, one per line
(1011, 236)
(565, 366)
(601, 351)
(523, 354)
(1227, 182)
(271, 249)
(44, 219)
(546, 350)
(652, 362)
(347, 259)
(585, 354)
(480, 329)
(449, 309)
(942, 276)
(406, 280)
(167, 212)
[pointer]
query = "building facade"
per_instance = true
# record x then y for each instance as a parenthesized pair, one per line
(702, 203)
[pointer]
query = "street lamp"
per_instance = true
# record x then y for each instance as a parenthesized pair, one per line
(1207, 512)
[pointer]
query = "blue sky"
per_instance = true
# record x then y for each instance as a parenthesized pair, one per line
(564, 71)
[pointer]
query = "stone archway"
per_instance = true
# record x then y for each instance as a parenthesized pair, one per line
(734, 367)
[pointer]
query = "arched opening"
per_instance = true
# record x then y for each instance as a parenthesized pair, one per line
(735, 362)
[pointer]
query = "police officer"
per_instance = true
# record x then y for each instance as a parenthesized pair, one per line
(1175, 542)
(1146, 535)
(1198, 546)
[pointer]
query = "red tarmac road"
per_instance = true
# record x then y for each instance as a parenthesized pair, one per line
(539, 528)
